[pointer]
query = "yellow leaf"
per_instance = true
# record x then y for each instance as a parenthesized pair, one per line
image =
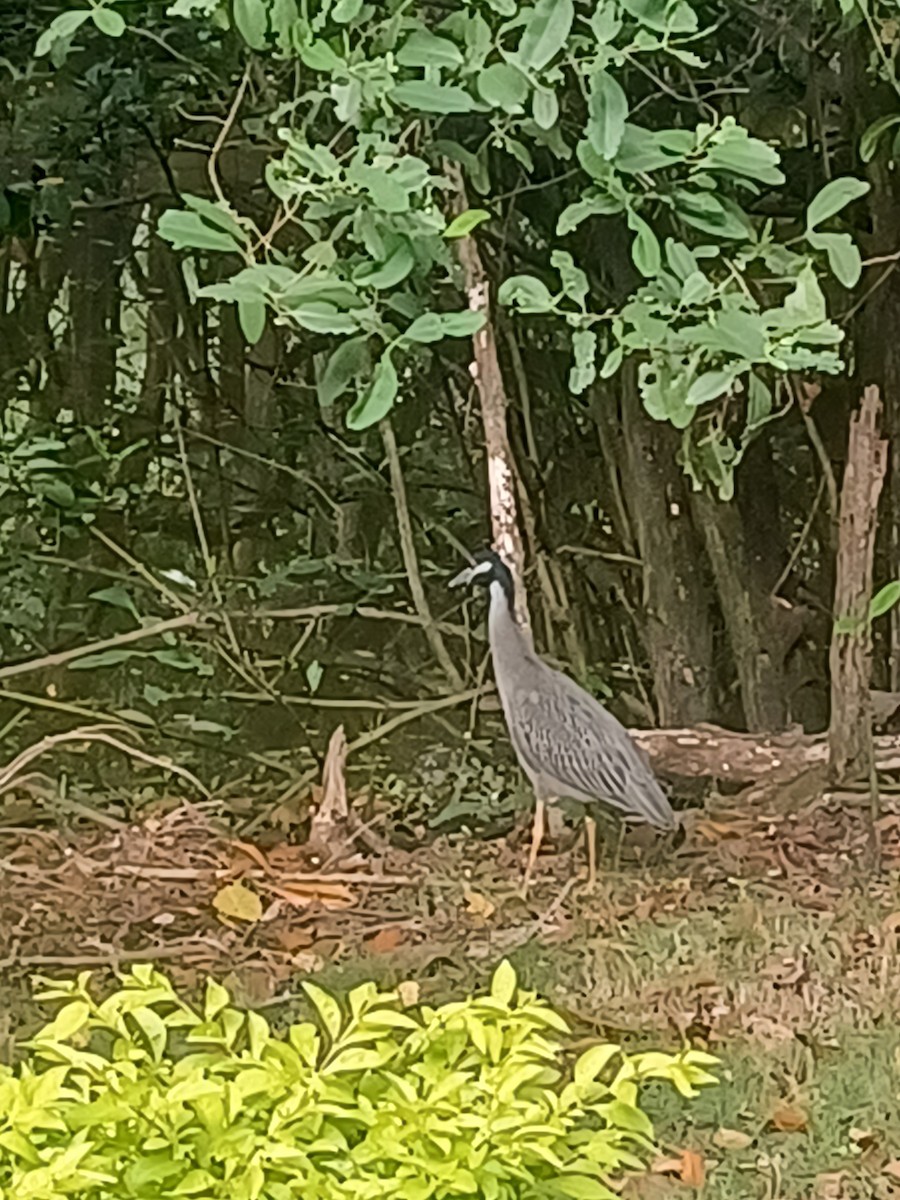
(237, 901)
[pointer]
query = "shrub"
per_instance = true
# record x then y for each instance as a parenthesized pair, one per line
(141, 1096)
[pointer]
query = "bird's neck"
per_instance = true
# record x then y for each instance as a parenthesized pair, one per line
(504, 630)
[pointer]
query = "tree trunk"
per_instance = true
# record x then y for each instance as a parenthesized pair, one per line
(485, 370)
(850, 660)
(676, 600)
(748, 613)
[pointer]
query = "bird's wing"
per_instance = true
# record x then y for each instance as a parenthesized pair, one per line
(563, 734)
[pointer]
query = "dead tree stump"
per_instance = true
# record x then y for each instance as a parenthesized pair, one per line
(850, 658)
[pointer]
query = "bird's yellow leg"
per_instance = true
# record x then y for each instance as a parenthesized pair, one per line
(537, 835)
(590, 832)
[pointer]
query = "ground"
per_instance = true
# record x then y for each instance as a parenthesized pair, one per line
(773, 941)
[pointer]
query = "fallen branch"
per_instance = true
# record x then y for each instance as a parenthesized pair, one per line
(185, 621)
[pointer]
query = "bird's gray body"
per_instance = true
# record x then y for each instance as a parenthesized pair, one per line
(569, 746)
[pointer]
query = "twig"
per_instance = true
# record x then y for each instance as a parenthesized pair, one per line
(186, 621)
(222, 137)
(203, 541)
(315, 611)
(801, 541)
(111, 958)
(95, 733)
(410, 558)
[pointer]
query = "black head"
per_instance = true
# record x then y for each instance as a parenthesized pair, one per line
(487, 568)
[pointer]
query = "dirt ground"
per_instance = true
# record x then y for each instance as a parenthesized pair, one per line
(773, 941)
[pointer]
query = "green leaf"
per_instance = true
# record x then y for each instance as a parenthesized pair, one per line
(663, 16)
(606, 21)
(252, 319)
(319, 56)
(314, 672)
(711, 214)
(503, 983)
(546, 33)
(584, 368)
(574, 281)
(250, 22)
(378, 399)
(612, 362)
(118, 597)
(733, 151)
(645, 251)
(389, 273)
(868, 143)
(433, 97)
(544, 108)
(884, 599)
(759, 401)
(62, 26)
(843, 255)
(346, 11)
(589, 206)
(589, 1065)
(57, 491)
(350, 360)
(326, 1006)
(106, 658)
(465, 222)
(108, 21)
(432, 327)
(188, 231)
(526, 293)
(502, 86)
(710, 386)
(607, 109)
(834, 196)
(425, 49)
(68, 1021)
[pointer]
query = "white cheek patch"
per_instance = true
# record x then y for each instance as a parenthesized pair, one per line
(484, 568)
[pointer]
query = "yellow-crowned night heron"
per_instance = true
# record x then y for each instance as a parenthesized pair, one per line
(569, 746)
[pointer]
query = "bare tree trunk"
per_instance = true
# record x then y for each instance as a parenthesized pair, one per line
(488, 378)
(748, 616)
(850, 660)
(677, 629)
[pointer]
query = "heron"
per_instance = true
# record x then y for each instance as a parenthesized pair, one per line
(569, 746)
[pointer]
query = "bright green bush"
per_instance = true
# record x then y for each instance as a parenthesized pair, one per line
(140, 1096)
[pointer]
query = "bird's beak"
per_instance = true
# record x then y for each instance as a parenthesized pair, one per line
(465, 576)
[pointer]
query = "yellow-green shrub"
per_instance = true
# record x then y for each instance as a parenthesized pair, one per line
(140, 1096)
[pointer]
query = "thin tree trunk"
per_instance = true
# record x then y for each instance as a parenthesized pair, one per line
(488, 379)
(850, 660)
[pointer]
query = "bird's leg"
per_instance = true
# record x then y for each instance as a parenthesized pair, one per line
(590, 832)
(537, 834)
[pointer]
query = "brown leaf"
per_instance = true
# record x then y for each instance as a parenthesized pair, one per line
(788, 1119)
(386, 940)
(732, 1139)
(237, 901)
(408, 991)
(253, 852)
(478, 905)
(693, 1169)
(292, 940)
(329, 895)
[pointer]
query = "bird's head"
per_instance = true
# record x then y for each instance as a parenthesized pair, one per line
(487, 568)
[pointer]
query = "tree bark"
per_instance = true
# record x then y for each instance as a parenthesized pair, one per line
(850, 659)
(747, 614)
(486, 373)
(676, 600)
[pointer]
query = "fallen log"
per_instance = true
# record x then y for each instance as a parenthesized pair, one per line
(724, 756)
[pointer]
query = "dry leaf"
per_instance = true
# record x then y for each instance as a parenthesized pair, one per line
(385, 940)
(732, 1139)
(292, 940)
(329, 895)
(408, 991)
(892, 1169)
(693, 1169)
(253, 852)
(235, 900)
(788, 1119)
(478, 905)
